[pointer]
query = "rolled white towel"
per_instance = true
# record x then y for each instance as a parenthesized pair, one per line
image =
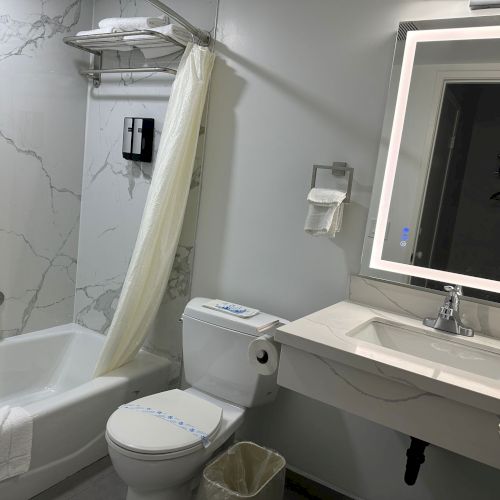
(178, 33)
(325, 212)
(132, 23)
(16, 433)
(153, 51)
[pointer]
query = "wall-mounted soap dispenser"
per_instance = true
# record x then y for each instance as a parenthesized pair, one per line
(138, 136)
(128, 129)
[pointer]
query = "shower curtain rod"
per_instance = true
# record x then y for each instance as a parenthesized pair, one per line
(202, 36)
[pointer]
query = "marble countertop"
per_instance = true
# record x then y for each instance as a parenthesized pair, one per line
(328, 335)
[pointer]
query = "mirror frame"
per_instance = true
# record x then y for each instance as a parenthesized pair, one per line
(376, 260)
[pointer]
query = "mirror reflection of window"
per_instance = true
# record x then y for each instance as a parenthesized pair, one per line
(459, 229)
(444, 209)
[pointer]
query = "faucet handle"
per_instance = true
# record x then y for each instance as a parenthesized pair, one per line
(446, 312)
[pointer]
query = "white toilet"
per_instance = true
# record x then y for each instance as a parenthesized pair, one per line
(159, 444)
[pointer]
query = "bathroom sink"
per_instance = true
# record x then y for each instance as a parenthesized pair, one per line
(393, 370)
(421, 343)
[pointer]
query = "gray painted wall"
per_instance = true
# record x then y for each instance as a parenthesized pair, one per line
(298, 83)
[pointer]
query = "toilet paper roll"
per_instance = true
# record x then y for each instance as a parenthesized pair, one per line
(263, 354)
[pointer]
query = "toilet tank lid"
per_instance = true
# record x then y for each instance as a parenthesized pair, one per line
(254, 325)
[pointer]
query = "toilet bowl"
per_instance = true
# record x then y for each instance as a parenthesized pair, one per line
(163, 467)
(159, 444)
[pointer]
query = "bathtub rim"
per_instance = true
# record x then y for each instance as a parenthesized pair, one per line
(145, 362)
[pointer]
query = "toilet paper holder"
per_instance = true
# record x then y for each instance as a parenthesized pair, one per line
(339, 169)
(265, 358)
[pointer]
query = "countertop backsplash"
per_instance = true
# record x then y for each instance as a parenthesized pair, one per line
(483, 317)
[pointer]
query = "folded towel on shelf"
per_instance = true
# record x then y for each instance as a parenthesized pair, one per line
(132, 23)
(16, 432)
(325, 212)
(118, 45)
(97, 31)
(153, 51)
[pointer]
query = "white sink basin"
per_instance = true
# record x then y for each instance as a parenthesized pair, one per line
(451, 352)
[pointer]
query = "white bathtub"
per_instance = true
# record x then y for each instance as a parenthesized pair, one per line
(49, 373)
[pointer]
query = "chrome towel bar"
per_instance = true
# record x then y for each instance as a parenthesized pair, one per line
(339, 169)
(129, 70)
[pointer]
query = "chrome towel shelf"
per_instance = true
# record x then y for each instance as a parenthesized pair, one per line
(146, 69)
(339, 169)
(97, 43)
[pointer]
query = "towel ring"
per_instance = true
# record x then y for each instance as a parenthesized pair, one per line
(340, 169)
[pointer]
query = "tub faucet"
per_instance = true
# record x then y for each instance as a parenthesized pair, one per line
(448, 319)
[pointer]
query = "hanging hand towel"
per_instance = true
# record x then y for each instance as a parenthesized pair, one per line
(324, 216)
(337, 220)
(16, 431)
(132, 23)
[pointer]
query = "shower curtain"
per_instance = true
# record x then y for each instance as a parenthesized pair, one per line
(163, 215)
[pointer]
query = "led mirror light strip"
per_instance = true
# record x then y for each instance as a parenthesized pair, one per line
(376, 261)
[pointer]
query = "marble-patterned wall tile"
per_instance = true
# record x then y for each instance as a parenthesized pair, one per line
(42, 126)
(114, 190)
(483, 317)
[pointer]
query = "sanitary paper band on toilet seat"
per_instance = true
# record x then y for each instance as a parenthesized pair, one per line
(205, 441)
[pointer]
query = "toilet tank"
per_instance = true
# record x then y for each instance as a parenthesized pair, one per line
(215, 354)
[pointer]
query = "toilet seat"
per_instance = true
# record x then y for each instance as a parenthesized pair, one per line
(145, 457)
(137, 433)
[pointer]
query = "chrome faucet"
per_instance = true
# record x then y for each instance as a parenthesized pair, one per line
(448, 319)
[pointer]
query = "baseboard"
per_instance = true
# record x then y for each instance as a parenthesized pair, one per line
(312, 477)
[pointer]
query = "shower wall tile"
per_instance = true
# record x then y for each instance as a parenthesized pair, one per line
(42, 126)
(114, 190)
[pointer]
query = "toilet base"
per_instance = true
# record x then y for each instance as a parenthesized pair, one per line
(167, 477)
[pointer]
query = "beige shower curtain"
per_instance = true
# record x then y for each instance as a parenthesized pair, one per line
(161, 224)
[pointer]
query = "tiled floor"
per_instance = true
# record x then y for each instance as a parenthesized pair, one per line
(299, 487)
(100, 482)
(96, 482)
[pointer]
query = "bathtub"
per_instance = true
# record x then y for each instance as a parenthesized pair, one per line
(49, 373)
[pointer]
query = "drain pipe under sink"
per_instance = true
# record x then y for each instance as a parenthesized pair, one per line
(415, 457)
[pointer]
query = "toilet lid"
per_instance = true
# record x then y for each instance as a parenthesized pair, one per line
(181, 423)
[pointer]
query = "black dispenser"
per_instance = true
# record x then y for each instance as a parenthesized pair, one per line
(138, 134)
